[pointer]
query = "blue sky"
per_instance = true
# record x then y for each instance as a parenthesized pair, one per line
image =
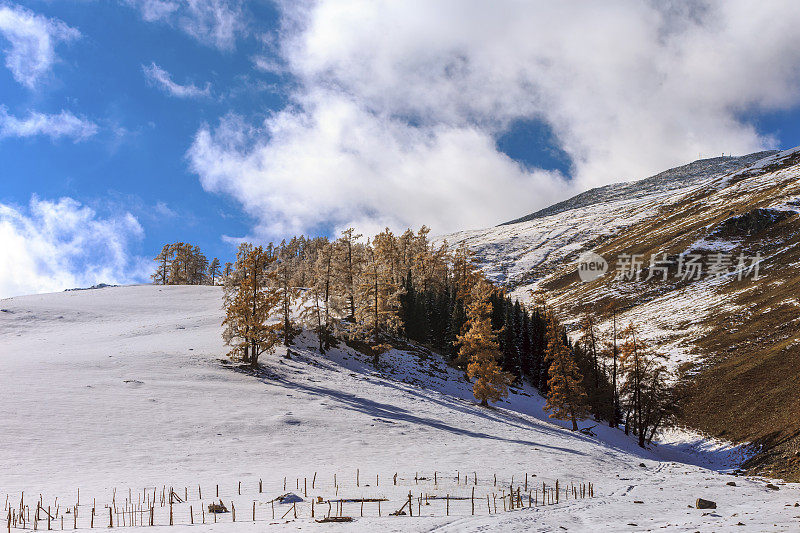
(127, 124)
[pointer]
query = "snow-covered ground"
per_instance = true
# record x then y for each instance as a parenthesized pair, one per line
(123, 391)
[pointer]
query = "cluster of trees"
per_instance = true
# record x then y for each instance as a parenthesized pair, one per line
(182, 263)
(626, 379)
(381, 291)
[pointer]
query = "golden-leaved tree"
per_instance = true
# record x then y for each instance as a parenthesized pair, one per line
(480, 348)
(566, 398)
(250, 301)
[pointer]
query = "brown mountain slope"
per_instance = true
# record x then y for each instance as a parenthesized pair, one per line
(735, 343)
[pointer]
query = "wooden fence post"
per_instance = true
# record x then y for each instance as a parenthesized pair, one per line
(473, 500)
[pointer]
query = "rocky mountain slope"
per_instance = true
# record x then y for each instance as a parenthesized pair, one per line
(732, 338)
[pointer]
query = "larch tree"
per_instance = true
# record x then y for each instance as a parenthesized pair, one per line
(649, 400)
(164, 260)
(285, 270)
(378, 290)
(250, 301)
(566, 398)
(214, 271)
(348, 262)
(478, 345)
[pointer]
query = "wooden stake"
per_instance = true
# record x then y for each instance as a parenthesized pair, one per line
(233, 511)
(314, 480)
(447, 498)
(254, 511)
(191, 515)
(473, 500)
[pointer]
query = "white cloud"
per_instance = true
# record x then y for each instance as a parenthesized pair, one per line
(162, 79)
(335, 163)
(32, 39)
(215, 23)
(398, 104)
(63, 124)
(52, 246)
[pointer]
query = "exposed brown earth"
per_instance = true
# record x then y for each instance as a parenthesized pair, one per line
(744, 382)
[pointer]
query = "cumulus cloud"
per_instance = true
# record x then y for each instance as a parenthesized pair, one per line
(162, 79)
(215, 23)
(63, 124)
(51, 246)
(31, 42)
(398, 105)
(336, 164)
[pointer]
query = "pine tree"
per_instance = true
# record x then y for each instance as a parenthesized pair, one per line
(249, 303)
(565, 397)
(479, 347)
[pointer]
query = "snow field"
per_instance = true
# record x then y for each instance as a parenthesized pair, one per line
(127, 388)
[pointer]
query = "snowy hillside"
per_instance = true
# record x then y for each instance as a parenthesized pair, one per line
(123, 392)
(735, 340)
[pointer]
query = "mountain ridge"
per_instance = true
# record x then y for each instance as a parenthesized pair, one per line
(673, 178)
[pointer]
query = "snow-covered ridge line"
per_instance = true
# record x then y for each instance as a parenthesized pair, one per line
(675, 178)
